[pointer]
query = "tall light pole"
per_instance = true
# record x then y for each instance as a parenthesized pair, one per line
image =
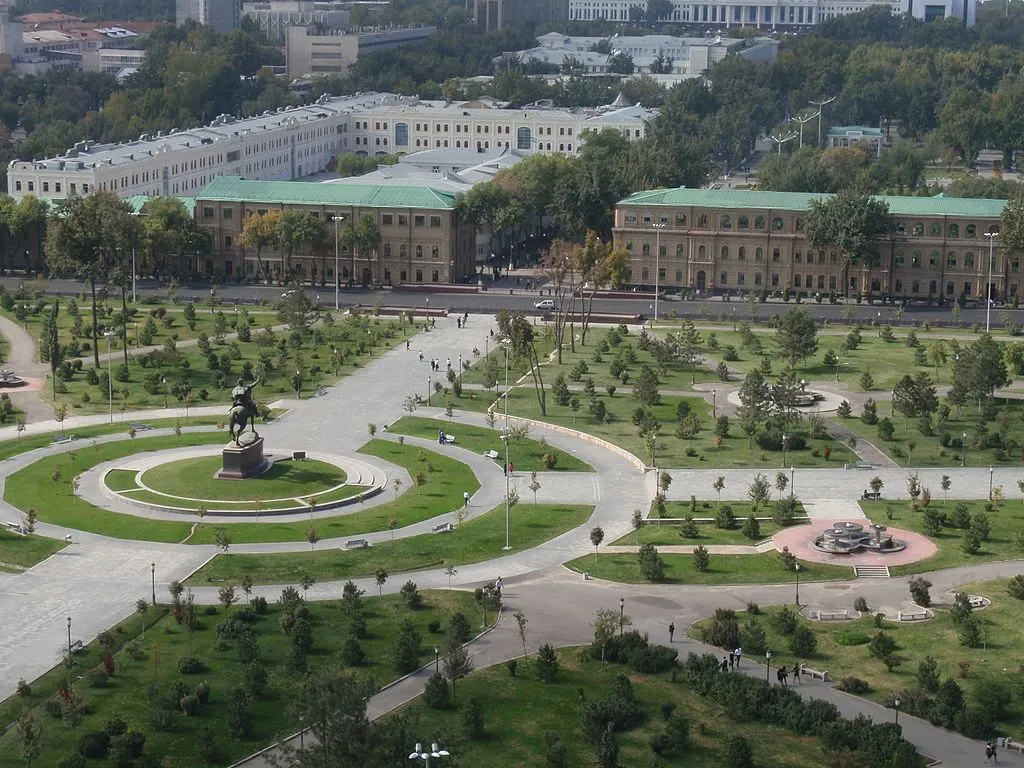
(69, 645)
(110, 378)
(768, 668)
(657, 264)
(820, 104)
(796, 567)
(801, 121)
(780, 140)
(990, 471)
(896, 703)
(963, 451)
(428, 391)
(152, 568)
(506, 343)
(337, 263)
(783, 450)
(622, 614)
(425, 753)
(988, 287)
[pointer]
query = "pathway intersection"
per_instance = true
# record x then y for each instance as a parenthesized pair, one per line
(96, 580)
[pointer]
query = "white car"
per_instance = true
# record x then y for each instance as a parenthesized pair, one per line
(545, 304)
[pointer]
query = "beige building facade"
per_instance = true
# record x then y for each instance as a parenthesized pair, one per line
(741, 242)
(422, 239)
(308, 52)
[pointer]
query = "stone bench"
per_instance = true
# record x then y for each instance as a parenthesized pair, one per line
(1013, 744)
(863, 465)
(139, 427)
(76, 646)
(820, 674)
(832, 615)
(58, 439)
(443, 528)
(979, 602)
(357, 544)
(913, 616)
(321, 390)
(448, 439)
(17, 528)
(491, 454)
(871, 495)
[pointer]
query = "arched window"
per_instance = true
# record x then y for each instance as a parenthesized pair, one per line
(524, 138)
(777, 223)
(776, 254)
(759, 254)
(644, 274)
(401, 134)
(972, 230)
(725, 251)
(969, 260)
(799, 225)
(401, 251)
(647, 249)
(702, 221)
(919, 228)
(702, 252)
(954, 230)
(725, 222)
(759, 222)
(743, 223)
(435, 253)
(387, 250)
(935, 230)
(679, 250)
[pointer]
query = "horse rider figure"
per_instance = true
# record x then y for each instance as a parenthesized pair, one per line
(243, 409)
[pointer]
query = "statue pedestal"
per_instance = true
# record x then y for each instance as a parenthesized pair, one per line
(245, 460)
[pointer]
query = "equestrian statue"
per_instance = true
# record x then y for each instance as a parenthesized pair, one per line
(243, 410)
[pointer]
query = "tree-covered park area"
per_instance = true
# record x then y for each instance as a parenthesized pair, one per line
(208, 685)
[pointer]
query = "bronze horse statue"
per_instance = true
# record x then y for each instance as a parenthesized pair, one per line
(243, 411)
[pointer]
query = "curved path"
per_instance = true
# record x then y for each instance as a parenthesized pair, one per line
(97, 580)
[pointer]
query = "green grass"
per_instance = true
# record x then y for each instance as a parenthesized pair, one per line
(764, 568)
(1006, 518)
(160, 500)
(33, 486)
(475, 541)
(997, 661)
(26, 551)
(660, 535)
(121, 479)
(526, 454)
(534, 708)
(125, 695)
(286, 479)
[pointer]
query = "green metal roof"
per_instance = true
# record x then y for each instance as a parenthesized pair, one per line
(867, 130)
(138, 201)
(233, 188)
(800, 201)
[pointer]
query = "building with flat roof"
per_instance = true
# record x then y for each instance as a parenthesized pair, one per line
(221, 15)
(491, 15)
(743, 241)
(274, 17)
(294, 142)
(312, 52)
(847, 136)
(422, 238)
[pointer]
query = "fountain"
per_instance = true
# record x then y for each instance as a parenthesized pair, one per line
(848, 538)
(8, 379)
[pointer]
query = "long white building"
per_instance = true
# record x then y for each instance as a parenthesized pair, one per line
(767, 14)
(291, 143)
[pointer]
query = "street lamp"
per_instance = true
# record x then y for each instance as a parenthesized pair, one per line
(783, 450)
(990, 470)
(714, 403)
(337, 262)
(163, 381)
(892, 404)
(69, 643)
(428, 391)
(110, 377)
(622, 614)
(896, 703)
(437, 659)
(988, 290)
(152, 568)
(421, 753)
(792, 481)
(657, 263)
(820, 104)
(506, 343)
(768, 669)
(796, 567)
(963, 452)
(780, 140)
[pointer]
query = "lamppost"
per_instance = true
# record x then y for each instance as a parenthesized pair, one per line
(896, 703)
(152, 568)
(820, 104)
(657, 264)
(990, 470)
(421, 753)
(714, 403)
(437, 659)
(110, 377)
(69, 644)
(622, 614)
(783, 450)
(792, 481)
(163, 381)
(988, 290)
(506, 343)
(780, 140)
(428, 391)
(801, 121)
(892, 404)
(796, 567)
(768, 668)
(963, 453)
(337, 263)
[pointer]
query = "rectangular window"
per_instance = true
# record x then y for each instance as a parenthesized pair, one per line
(227, 241)
(207, 213)
(949, 289)
(951, 260)
(679, 275)
(56, 186)
(419, 220)
(741, 278)
(386, 219)
(435, 222)
(17, 186)
(757, 279)
(796, 281)
(228, 214)
(403, 220)
(724, 278)
(630, 217)
(899, 286)
(775, 280)
(31, 186)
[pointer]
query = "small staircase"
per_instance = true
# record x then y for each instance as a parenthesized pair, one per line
(871, 571)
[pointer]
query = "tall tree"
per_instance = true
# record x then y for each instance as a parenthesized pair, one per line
(796, 337)
(333, 705)
(979, 368)
(261, 231)
(49, 344)
(1011, 227)
(522, 344)
(852, 224)
(755, 403)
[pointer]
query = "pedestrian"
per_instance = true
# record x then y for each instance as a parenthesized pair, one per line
(421, 355)
(511, 469)
(458, 322)
(433, 322)
(782, 675)
(796, 674)
(778, 675)
(739, 653)
(465, 499)
(449, 363)
(465, 317)
(995, 759)
(492, 333)
(732, 659)
(440, 437)
(725, 662)
(407, 345)
(671, 631)
(497, 585)
(989, 753)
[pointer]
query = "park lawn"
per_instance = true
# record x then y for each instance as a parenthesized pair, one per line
(928, 451)
(1004, 542)
(527, 454)
(536, 708)
(285, 479)
(937, 638)
(672, 451)
(26, 551)
(473, 542)
(148, 497)
(763, 568)
(125, 695)
(660, 535)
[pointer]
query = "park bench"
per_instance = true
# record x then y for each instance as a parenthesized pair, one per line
(978, 602)
(870, 495)
(59, 439)
(832, 615)
(863, 465)
(443, 528)
(140, 427)
(76, 646)
(17, 528)
(1009, 743)
(449, 439)
(357, 544)
(321, 390)
(820, 674)
(491, 454)
(913, 616)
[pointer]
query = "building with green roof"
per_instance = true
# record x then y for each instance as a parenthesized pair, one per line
(422, 239)
(747, 241)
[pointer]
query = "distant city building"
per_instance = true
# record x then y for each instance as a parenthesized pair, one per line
(422, 238)
(221, 15)
(274, 17)
(845, 136)
(310, 50)
(491, 15)
(767, 13)
(686, 55)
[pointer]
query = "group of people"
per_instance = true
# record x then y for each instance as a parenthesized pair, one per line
(732, 660)
(990, 754)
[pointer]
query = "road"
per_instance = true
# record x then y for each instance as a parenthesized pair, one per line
(505, 294)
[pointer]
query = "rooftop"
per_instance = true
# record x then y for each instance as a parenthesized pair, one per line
(846, 130)
(800, 201)
(233, 188)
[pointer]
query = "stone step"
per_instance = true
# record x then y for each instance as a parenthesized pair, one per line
(871, 571)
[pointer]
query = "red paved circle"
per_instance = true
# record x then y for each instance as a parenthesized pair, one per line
(799, 537)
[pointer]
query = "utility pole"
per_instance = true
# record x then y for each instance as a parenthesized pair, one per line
(820, 104)
(801, 121)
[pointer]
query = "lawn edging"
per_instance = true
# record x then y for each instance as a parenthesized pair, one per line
(585, 436)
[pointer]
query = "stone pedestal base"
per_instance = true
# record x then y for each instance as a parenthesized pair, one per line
(245, 460)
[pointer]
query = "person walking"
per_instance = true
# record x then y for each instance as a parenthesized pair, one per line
(408, 344)
(671, 631)
(989, 753)
(465, 499)
(725, 663)
(497, 585)
(732, 659)
(458, 322)
(796, 673)
(421, 355)
(739, 654)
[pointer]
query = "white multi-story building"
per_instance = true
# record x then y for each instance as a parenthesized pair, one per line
(274, 17)
(769, 13)
(221, 15)
(300, 141)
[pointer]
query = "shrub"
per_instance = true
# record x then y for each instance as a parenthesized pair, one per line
(853, 685)
(919, 587)
(203, 693)
(546, 664)
(724, 518)
(72, 761)
(434, 627)
(753, 608)
(96, 678)
(24, 689)
(614, 712)
(458, 627)
(804, 642)
(254, 679)
(786, 620)
(738, 754)
(881, 645)
(206, 745)
(512, 665)
(240, 720)
(723, 631)
(53, 708)
(473, 719)
(410, 595)
(752, 528)
(1015, 588)
(94, 744)
(852, 638)
(654, 659)
(259, 605)
(860, 605)
(191, 665)
(127, 746)
(352, 654)
(189, 704)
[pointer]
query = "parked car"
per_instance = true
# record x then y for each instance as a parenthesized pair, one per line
(545, 304)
